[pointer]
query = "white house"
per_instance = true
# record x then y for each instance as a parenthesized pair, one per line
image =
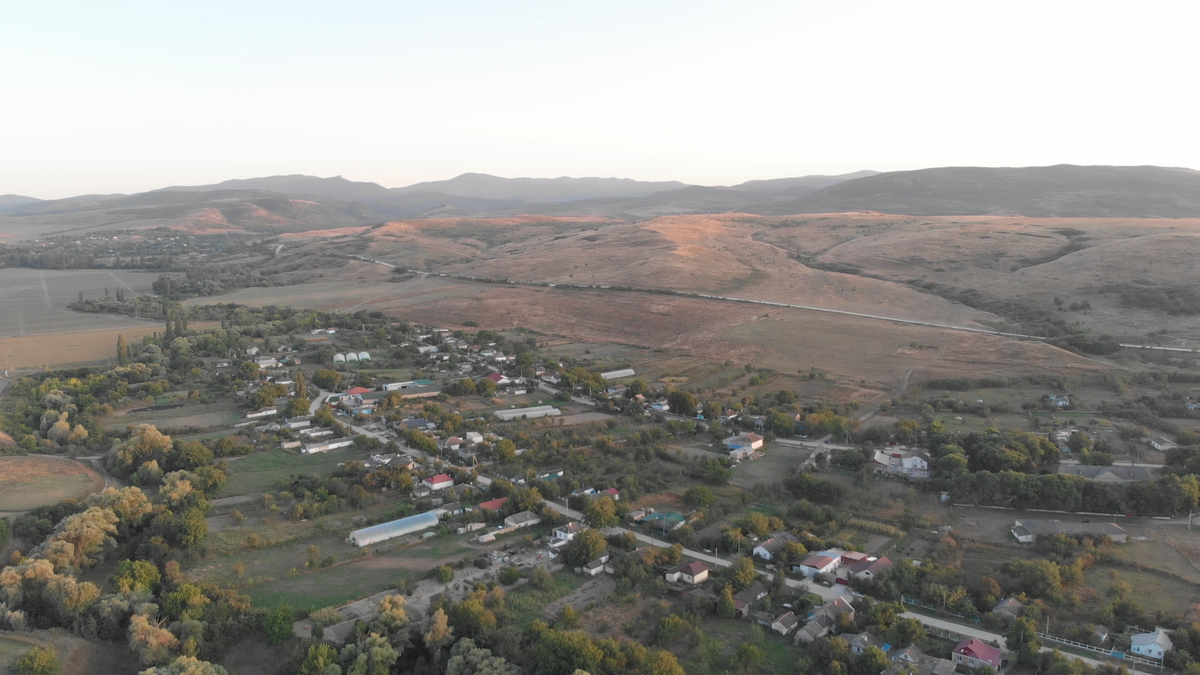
(522, 519)
(785, 623)
(771, 546)
(739, 454)
(691, 573)
(824, 562)
(905, 462)
(751, 441)
(1152, 645)
(561, 535)
(439, 482)
(473, 437)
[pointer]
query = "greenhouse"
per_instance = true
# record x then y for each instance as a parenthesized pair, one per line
(364, 356)
(393, 529)
(338, 358)
(351, 356)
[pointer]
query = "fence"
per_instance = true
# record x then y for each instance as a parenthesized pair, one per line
(917, 603)
(1112, 653)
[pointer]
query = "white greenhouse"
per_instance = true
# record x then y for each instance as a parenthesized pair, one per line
(351, 356)
(338, 358)
(393, 529)
(364, 356)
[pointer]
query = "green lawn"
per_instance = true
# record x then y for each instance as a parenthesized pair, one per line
(262, 470)
(10, 651)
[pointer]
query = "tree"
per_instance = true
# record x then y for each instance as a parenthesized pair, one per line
(699, 495)
(872, 660)
(327, 379)
(468, 659)
(1022, 639)
(391, 614)
(321, 657)
(134, 576)
(37, 661)
(122, 350)
(438, 632)
(905, 632)
(506, 451)
(601, 512)
(373, 655)
(187, 665)
(782, 424)
(585, 547)
(444, 574)
(743, 574)
(726, 607)
(558, 652)
(278, 624)
(682, 403)
(748, 656)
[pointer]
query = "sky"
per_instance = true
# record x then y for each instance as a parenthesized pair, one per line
(130, 96)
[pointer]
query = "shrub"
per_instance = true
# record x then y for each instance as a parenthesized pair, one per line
(37, 661)
(444, 574)
(509, 575)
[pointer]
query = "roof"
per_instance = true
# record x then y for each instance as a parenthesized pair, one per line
(440, 478)
(978, 649)
(691, 569)
(359, 390)
(817, 560)
(1112, 473)
(1011, 604)
(750, 593)
(864, 640)
(523, 517)
(1159, 637)
(495, 377)
(493, 505)
(787, 620)
(874, 567)
(1052, 527)
(394, 528)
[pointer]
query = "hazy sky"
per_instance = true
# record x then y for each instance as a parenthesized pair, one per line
(124, 96)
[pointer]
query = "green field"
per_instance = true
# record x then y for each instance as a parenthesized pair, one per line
(262, 470)
(526, 602)
(34, 302)
(332, 586)
(10, 651)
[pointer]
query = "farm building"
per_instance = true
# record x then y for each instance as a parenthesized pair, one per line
(527, 413)
(1027, 531)
(617, 374)
(393, 529)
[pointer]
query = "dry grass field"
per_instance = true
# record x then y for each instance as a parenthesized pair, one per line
(75, 348)
(29, 482)
(34, 302)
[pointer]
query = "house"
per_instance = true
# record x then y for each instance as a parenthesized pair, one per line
(861, 642)
(660, 407)
(1161, 443)
(665, 520)
(454, 443)
(751, 441)
(564, 534)
(1109, 474)
(332, 444)
(439, 482)
(745, 598)
(1151, 645)
(911, 655)
(265, 412)
(358, 391)
(474, 437)
(612, 493)
(910, 661)
(824, 620)
(785, 623)
(771, 546)
(973, 653)
(1027, 531)
(594, 567)
(871, 568)
(1009, 608)
(452, 509)
(498, 378)
(493, 506)
(739, 454)
(818, 563)
(689, 573)
(911, 463)
(522, 519)
(253, 351)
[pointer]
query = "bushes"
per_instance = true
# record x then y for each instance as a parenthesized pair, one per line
(444, 574)
(510, 575)
(37, 661)
(875, 527)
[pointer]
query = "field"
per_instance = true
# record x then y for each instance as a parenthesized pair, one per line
(349, 296)
(29, 482)
(261, 470)
(34, 302)
(77, 656)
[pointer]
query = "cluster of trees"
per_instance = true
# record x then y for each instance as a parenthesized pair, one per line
(1169, 495)
(201, 280)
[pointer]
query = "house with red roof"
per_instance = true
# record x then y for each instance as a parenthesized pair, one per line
(439, 482)
(493, 506)
(357, 391)
(498, 378)
(973, 653)
(691, 573)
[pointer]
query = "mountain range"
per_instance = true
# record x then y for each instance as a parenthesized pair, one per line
(298, 202)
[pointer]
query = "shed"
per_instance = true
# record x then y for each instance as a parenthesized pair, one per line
(393, 529)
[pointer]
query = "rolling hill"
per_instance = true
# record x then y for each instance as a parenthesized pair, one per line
(1051, 191)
